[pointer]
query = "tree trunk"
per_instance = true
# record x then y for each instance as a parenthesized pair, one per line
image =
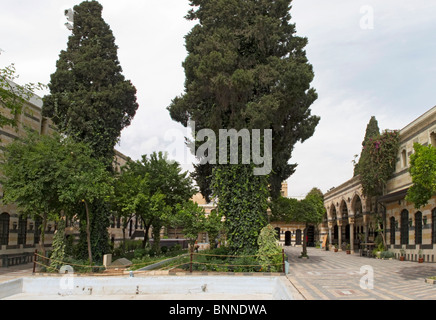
(88, 233)
(146, 228)
(305, 241)
(42, 239)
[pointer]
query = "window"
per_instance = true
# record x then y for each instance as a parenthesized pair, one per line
(433, 139)
(404, 158)
(22, 230)
(37, 236)
(418, 227)
(392, 230)
(4, 229)
(405, 227)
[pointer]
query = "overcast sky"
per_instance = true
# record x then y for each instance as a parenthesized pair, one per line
(371, 58)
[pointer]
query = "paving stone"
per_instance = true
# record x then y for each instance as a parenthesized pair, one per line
(328, 275)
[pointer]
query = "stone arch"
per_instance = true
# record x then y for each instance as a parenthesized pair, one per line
(298, 235)
(356, 204)
(343, 210)
(333, 212)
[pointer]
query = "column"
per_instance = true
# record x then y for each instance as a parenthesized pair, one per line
(339, 235)
(365, 226)
(351, 222)
(330, 226)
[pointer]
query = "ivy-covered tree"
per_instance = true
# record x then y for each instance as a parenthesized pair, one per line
(89, 98)
(423, 172)
(247, 69)
(377, 163)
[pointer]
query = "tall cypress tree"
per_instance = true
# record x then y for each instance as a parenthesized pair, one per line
(91, 101)
(372, 130)
(246, 68)
(89, 97)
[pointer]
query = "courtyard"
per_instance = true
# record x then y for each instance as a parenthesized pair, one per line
(329, 275)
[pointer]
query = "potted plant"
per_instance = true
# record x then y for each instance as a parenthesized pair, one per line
(348, 248)
(420, 256)
(402, 254)
(336, 248)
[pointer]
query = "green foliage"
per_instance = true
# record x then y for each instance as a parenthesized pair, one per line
(13, 96)
(377, 162)
(214, 225)
(309, 210)
(247, 68)
(243, 202)
(33, 174)
(59, 247)
(44, 175)
(372, 131)
(89, 98)
(192, 218)
(152, 189)
(270, 254)
(423, 172)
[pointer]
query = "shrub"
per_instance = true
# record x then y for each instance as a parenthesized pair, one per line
(269, 252)
(164, 249)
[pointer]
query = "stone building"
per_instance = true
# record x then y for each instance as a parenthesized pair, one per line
(351, 217)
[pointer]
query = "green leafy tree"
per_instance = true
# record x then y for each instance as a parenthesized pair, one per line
(87, 183)
(89, 98)
(247, 69)
(126, 187)
(13, 96)
(214, 225)
(313, 212)
(309, 211)
(45, 175)
(152, 188)
(31, 175)
(423, 172)
(192, 219)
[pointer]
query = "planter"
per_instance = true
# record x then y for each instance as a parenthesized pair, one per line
(402, 258)
(336, 250)
(421, 260)
(430, 281)
(348, 251)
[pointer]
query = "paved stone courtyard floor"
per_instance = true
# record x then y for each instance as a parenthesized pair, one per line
(329, 275)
